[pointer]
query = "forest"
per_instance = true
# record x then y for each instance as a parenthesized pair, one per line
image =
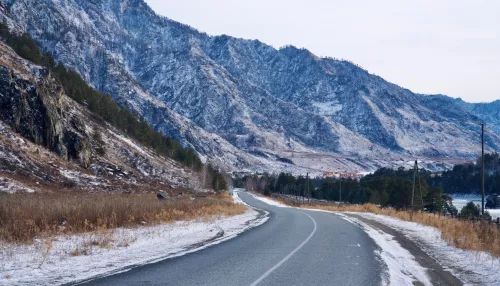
(390, 188)
(466, 178)
(385, 187)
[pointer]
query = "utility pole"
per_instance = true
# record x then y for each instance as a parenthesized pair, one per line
(420, 190)
(415, 169)
(340, 190)
(302, 192)
(308, 194)
(482, 170)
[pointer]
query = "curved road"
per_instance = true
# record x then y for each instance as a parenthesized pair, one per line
(294, 247)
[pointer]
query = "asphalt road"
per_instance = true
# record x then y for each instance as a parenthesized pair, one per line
(294, 247)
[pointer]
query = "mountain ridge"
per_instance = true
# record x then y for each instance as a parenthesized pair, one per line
(249, 96)
(487, 111)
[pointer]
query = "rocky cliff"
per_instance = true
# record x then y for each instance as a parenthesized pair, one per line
(32, 104)
(48, 141)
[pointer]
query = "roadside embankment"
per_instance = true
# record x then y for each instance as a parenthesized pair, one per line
(66, 238)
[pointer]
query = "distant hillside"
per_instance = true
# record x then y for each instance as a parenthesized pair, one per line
(489, 112)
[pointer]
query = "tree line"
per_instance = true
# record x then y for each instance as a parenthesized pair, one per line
(105, 108)
(386, 187)
(393, 187)
(466, 178)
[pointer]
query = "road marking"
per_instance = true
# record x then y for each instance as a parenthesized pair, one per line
(268, 272)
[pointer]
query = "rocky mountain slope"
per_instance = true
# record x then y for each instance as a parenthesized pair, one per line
(241, 104)
(48, 141)
(489, 112)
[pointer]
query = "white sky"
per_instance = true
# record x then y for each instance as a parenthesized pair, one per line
(441, 46)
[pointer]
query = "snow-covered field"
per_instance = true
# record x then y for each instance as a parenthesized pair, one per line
(72, 258)
(471, 267)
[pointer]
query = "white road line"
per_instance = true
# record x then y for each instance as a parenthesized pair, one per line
(268, 272)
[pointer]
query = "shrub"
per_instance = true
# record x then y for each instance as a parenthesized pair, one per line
(470, 211)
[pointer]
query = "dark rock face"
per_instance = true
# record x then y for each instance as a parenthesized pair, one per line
(77, 141)
(32, 110)
(231, 98)
(492, 202)
(31, 103)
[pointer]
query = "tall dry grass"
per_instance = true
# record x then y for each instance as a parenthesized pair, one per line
(26, 216)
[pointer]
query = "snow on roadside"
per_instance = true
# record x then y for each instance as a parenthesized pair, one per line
(72, 258)
(237, 198)
(471, 267)
(402, 268)
(269, 201)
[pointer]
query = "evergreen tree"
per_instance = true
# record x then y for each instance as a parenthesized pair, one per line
(470, 210)
(448, 207)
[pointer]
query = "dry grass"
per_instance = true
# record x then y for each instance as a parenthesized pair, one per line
(26, 216)
(467, 235)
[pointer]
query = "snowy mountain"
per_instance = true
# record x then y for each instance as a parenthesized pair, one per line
(241, 104)
(489, 112)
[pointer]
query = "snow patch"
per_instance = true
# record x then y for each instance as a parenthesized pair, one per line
(402, 269)
(471, 267)
(11, 187)
(269, 201)
(327, 108)
(130, 143)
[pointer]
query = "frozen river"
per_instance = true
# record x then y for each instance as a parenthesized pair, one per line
(459, 201)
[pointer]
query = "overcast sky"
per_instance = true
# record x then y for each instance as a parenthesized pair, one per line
(447, 46)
